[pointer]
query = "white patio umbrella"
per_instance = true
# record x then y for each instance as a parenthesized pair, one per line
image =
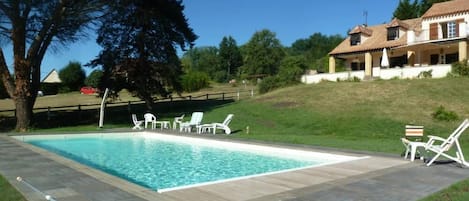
(385, 59)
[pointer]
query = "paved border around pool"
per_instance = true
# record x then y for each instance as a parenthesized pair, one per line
(68, 180)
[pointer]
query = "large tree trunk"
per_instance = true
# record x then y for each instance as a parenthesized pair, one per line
(148, 103)
(23, 113)
(23, 95)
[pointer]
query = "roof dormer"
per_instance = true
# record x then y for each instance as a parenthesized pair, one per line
(359, 34)
(395, 29)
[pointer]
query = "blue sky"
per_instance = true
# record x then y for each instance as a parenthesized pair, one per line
(213, 19)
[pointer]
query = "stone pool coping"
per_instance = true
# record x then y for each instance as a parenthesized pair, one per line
(69, 180)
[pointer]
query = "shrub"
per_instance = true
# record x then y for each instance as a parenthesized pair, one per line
(50, 88)
(443, 115)
(353, 79)
(425, 74)
(72, 76)
(461, 68)
(194, 81)
(291, 69)
(269, 84)
(94, 78)
(3, 92)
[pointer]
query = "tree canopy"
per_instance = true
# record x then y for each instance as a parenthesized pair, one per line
(72, 76)
(407, 10)
(315, 48)
(230, 57)
(94, 79)
(263, 54)
(31, 27)
(139, 40)
(203, 59)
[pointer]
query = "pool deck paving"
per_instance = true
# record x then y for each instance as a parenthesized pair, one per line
(376, 177)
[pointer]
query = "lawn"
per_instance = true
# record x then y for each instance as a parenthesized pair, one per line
(365, 116)
(8, 193)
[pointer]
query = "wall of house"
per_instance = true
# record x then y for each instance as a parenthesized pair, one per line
(438, 71)
(426, 24)
(363, 38)
(402, 32)
(376, 58)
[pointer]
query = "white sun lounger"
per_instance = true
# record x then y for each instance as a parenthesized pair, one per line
(196, 119)
(214, 126)
(442, 147)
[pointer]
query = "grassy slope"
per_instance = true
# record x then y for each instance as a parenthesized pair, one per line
(362, 115)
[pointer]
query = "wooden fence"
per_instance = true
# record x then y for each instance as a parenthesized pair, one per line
(236, 95)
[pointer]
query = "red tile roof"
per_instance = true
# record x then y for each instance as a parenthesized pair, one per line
(378, 38)
(397, 23)
(361, 29)
(446, 8)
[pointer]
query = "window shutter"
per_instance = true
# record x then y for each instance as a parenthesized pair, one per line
(433, 31)
(458, 21)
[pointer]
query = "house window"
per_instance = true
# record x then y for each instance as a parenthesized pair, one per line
(434, 59)
(448, 29)
(393, 33)
(357, 66)
(355, 39)
(398, 61)
(451, 29)
(451, 58)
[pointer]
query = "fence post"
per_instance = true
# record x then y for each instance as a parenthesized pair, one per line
(237, 94)
(79, 112)
(190, 98)
(48, 113)
(252, 92)
(223, 96)
(207, 96)
(129, 104)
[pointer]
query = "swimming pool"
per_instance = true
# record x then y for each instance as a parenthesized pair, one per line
(168, 162)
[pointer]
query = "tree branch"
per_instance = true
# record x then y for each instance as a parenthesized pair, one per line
(5, 76)
(5, 9)
(46, 30)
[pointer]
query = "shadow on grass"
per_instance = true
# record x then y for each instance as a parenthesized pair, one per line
(114, 115)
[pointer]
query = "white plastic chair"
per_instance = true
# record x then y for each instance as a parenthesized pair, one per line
(137, 123)
(177, 121)
(411, 147)
(150, 118)
(416, 132)
(443, 149)
(214, 126)
(196, 119)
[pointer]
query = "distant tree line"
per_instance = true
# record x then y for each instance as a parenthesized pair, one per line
(407, 10)
(261, 57)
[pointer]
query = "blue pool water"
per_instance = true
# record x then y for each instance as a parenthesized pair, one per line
(162, 164)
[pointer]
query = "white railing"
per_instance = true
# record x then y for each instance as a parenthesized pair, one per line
(437, 71)
(312, 79)
(424, 35)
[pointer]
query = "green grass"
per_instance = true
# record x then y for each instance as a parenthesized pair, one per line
(367, 116)
(456, 192)
(8, 193)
